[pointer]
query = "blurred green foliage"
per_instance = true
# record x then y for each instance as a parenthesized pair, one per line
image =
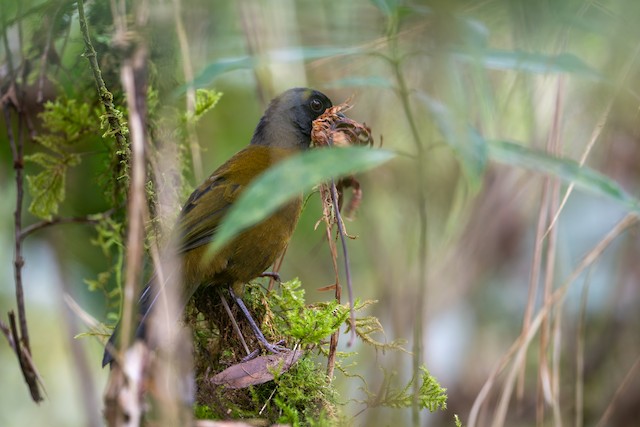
(472, 96)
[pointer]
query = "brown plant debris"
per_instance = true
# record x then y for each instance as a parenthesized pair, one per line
(258, 370)
(333, 129)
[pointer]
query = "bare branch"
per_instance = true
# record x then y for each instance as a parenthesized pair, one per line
(89, 219)
(8, 335)
(21, 341)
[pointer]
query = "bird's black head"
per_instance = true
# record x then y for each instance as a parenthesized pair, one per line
(287, 121)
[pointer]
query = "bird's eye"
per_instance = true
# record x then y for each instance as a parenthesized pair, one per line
(316, 105)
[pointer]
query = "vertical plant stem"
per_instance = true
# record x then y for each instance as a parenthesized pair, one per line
(82, 368)
(545, 388)
(580, 345)
(631, 374)
(333, 344)
(419, 308)
(534, 275)
(21, 338)
(558, 295)
(187, 70)
(133, 76)
(18, 260)
(347, 269)
(116, 126)
(15, 97)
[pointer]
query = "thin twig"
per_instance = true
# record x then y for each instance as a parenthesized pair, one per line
(187, 70)
(621, 388)
(45, 53)
(525, 339)
(335, 337)
(18, 261)
(6, 331)
(276, 268)
(491, 379)
(423, 253)
(82, 369)
(21, 340)
(89, 219)
(116, 127)
(555, 366)
(9, 57)
(597, 130)
(580, 345)
(28, 368)
(345, 253)
(534, 274)
(21, 343)
(133, 74)
(545, 392)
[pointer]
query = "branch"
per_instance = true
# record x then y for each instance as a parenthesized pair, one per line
(89, 219)
(116, 126)
(345, 253)
(133, 75)
(27, 366)
(8, 335)
(21, 343)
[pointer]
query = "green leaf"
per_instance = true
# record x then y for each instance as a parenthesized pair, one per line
(364, 81)
(279, 56)
(432, 395)
(205, 100)
(533, 62)
(43, 159)
(387, 7)
(213, 70)
(306, 324)
(300, 173)
(566, 169)
(469, 145)
(47, 189)
(66, 117)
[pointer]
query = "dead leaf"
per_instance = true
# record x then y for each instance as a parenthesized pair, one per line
(256, 371)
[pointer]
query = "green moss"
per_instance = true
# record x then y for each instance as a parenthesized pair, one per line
(301, 396)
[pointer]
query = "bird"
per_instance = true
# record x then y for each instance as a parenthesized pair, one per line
(284, 130)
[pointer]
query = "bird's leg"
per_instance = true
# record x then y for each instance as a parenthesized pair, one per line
(233, 322)
(273, 348)
(273, 274)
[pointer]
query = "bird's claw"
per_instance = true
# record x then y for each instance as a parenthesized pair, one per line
(250, 356)
(275, 348)
(272, 274)
(271, 348)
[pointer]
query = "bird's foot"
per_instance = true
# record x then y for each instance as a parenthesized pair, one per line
(271, 348)
(274, 348)
(273, 274)
(250, 356)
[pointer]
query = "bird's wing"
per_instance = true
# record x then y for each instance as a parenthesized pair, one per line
(204, 210)
(209, 203)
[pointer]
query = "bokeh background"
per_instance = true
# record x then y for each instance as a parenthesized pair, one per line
(457, 237)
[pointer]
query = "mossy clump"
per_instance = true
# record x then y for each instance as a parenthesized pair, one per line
(303, 395)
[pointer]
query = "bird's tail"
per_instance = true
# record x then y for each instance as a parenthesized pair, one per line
(146, 301)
